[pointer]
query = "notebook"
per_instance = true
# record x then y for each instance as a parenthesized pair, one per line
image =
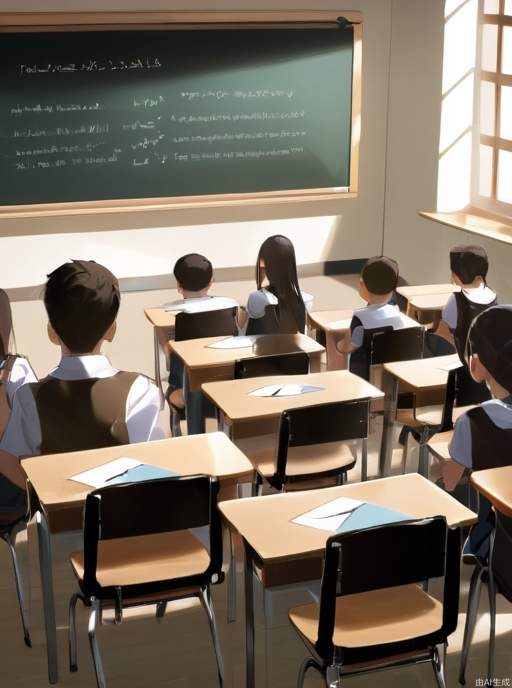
(119, 471)
(344, 515)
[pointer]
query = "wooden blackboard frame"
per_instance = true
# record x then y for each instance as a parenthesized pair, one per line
(155, 20)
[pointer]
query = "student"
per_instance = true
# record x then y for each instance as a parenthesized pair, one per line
(378, 281)
(469, 266)
(482, 437)
(276, 267)
(84, 403)
(194, 277)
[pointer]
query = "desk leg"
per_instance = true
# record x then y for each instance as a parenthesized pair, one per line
(45, 565)
(386, 448)
(194, 403)
(158, 374)
(315, 364)
(250, 677)
(424, 455)
(232, 578)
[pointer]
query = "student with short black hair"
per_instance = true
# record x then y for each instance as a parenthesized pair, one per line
(482, 437)
(377, 283)
(194, 278)
(83, 403)
(277, 287)
(469, 266)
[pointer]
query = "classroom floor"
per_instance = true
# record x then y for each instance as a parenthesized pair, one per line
(177, 653)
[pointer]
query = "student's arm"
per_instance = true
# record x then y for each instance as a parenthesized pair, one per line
(461, 454)
(143, 411)
(242, 317)
(22, 436)
(448, 320)
(444, 331)
(352, 340)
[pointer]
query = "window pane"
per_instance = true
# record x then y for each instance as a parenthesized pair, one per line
(488, 108)
(486, 153)
(506, 55)
(504, 191)
(506, 113)
(508, 6)
(491, 6)
(489, 47)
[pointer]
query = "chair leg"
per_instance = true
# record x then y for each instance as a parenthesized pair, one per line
(405, 449)
(491, 588)
(473, 603)
(175, 423)
(19, 588)
(364, 459)
(232, 579)
(341, 478)
(93, 620)
(438, 663)
(304, 667)
(208, 607)
(255, 486)
(73, 661)
(333, 676)
(161, 608)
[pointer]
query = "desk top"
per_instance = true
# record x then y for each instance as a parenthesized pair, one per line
(429, 302)
(265, 522)
(424, 373)
(212, 454)
(423, 289)
(335, 321)
(158, 317)
(233, 398)
(496, 485)
(196, 354)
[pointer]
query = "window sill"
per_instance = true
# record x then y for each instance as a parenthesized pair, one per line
(476, 221)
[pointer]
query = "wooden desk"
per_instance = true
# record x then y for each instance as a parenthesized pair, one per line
(421, 375)
(334, 325)
(238, 408)
(409, 291)
(496, 485)
(424, 303)
(60, 500)
(270, 537)
(203, 364)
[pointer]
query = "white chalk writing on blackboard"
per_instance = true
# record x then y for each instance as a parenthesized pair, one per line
(221, 94)
(51, 108)
(90, 66)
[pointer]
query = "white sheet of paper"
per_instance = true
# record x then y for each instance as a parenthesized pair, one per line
(235, 343)
(99, 476)
(283, 390)
(451, 366)
(329, 516)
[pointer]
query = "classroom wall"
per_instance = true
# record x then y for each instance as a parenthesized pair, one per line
(334, 230)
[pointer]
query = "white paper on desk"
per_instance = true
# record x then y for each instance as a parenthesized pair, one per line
(284, 390)
(97, 477)
(234, 342)
(339, 324)
(451, 366)
(329, 516)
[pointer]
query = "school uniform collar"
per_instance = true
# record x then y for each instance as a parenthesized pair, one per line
(83, 367)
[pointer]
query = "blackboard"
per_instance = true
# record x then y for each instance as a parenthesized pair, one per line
(99, 115)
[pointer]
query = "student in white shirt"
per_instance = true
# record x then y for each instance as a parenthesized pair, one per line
(194, 278)
(278, 306)
(83, 403)
(378, 281)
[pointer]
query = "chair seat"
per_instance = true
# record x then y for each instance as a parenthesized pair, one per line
(305, 460)
(434, 417)
(374, 618)
(145, 559)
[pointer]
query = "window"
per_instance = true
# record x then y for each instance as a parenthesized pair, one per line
(492, 178)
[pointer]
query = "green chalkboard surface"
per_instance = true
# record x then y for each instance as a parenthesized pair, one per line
(98, 115)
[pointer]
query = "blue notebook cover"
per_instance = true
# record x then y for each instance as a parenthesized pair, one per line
(140, 473)
(371, 515)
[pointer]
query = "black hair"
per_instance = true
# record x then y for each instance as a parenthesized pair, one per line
(380, 275)
(278, 255)
(82, 301)
(469, 262)
(5, 324)
(490, 337)
(193, 272)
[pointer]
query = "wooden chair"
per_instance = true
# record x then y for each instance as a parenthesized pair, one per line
(216, 323)
(270, 323)
(312, 444)
(138, 550)
(296, 363)
(373, 611)
(10, 526)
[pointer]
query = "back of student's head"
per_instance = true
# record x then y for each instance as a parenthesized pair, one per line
(490, 337)
(193, 272)
(380, 275)
(469, 262)
(82, 301)
(280, 268)
(5, 324)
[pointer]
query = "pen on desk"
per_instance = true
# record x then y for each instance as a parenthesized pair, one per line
(340, 513)
(277, 391)
(117, 475)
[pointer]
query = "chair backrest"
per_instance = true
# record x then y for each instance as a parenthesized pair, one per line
(151, 507)
(214, 323)
(271, 323)
(387, 556)
(396, 345)
(461, 390)
(296, 363)
(502, 555)
(319, 424)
